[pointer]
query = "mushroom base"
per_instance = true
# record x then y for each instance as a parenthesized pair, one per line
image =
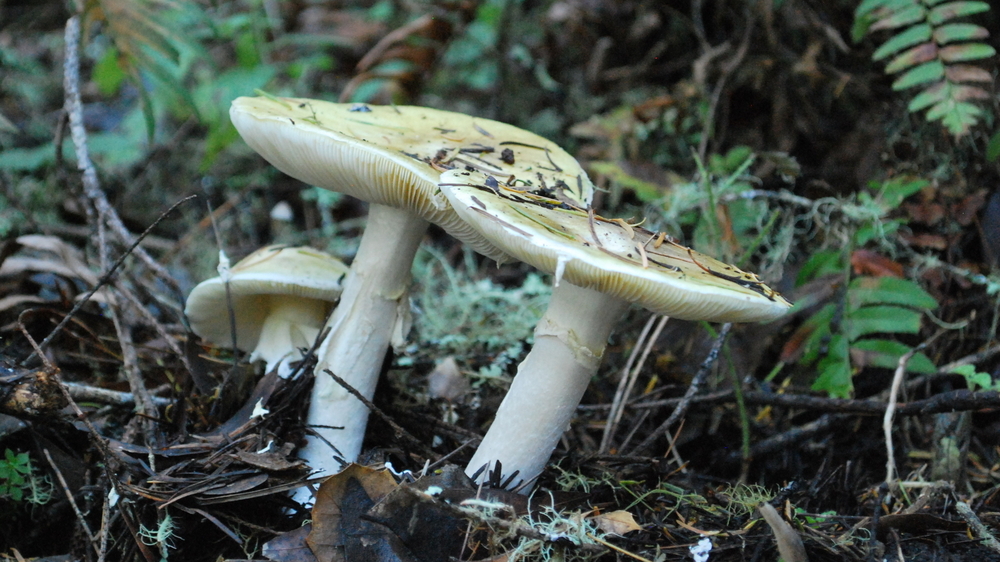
(550, 382)
(361, 328)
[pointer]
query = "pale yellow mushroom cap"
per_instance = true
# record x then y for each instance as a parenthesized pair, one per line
(394, 155)
(625, 261)
(272, 271)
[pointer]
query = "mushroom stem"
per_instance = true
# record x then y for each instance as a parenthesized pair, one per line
(292, 324)
(361, 328)
(550, 382)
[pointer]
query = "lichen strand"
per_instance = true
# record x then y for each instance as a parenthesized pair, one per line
(610, 255)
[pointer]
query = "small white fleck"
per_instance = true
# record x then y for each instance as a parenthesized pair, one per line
(267, 448)
(113, 497)
(259, 411)
(223, 267)
(561, 262)
(700, 551)
(405, 475)
(434, 490)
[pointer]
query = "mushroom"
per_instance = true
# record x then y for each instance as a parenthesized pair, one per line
(280, 298)
(599, 266)
(392, 157)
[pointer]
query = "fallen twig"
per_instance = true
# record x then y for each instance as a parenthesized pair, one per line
(696, 382)
(88, 393)
(72, 502)
(426, 451)
(91, 185)
(100, 283)
(981, 530)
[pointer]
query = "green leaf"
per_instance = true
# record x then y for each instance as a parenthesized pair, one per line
(958, 116)
(975, 378)
(882, 320)
(861, 26)
(644, 190)
(108, 73)
(816, 343)
(894, 191)
(993, 147)
(917, 55)
(940, 14)
(29, 159)
(886, 353)
(968, 51)
(927, 72)
(865, 291)
(930, 96)
(952, 32)
(835, 370)
(868, 6)
(820, 264)
(907, 16)
(908, 38)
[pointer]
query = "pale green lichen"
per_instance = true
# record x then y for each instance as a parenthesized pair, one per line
(462, 316)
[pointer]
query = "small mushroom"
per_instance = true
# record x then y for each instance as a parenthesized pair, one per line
(392, 157)
(280, 297)
(600, 266)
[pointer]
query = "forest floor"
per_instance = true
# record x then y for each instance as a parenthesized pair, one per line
(862, 425)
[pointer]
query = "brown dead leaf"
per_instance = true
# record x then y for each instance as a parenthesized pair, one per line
(927, 213)
(51, 255)
(867, 262)
(341, 501)
(926, 240)
(616, 522)
(290, 547)
(275, 460)
(965, 211)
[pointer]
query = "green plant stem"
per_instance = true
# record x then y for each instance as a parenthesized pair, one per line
(741, 411)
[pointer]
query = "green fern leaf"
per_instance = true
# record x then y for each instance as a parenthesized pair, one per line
(957, 116)
(927, 72)
(869, 6)
(966, 52)
(865, 291)
(886, 354)
(932, 95)
(952, 10)
(917, 55)
(907, 16)
(949, 33)
(835, 369)
(882, 319)
(908, 38)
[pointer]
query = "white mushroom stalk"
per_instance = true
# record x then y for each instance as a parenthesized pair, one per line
(393, 158)
(600, 266)
(281, 296)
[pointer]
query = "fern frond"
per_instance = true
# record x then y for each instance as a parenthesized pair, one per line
(144, 44)
(927, 50)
